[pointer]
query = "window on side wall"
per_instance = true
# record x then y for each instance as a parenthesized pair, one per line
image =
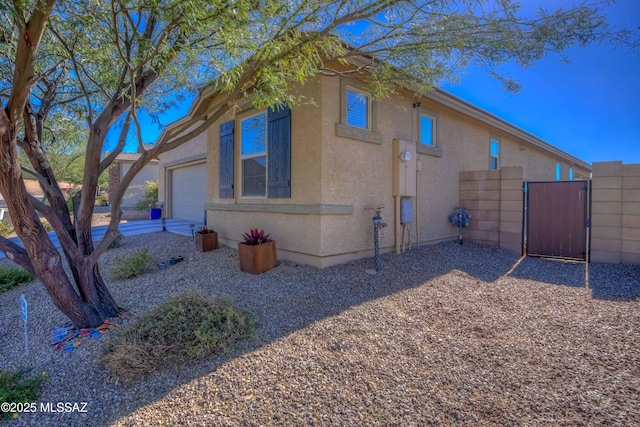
(253, 156)
(358, 109)
(558, 172)
(494, 161)
(357, 113)
(427, 129)
(571, 175)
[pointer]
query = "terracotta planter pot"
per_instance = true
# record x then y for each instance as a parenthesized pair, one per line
(207, 241)
(257, 259)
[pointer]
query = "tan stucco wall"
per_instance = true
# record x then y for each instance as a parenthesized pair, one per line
(338, 181)
(360, 173)
(297, 234)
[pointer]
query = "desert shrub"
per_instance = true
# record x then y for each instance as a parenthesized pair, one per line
(13, 276)
(150, 198)
(45, 224)
(6, 228)
(13, 388)
(102, 201)
(131, 266)
(187, 327)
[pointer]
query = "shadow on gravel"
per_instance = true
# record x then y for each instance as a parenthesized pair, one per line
(297, 296)
(614, 281)
(554, 271)
(288, 298)
(607, 281)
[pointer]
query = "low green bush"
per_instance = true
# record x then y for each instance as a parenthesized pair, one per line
(46, 225)
(187, 327)
(16, 389)
(102, 201)
(6, 228)
(131, 266)
(13, 276)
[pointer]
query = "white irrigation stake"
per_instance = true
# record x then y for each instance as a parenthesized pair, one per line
(23, 304)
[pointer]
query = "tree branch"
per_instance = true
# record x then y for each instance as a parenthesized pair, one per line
(59, 228)
(122, 141)
(30, 35)
(17, 254)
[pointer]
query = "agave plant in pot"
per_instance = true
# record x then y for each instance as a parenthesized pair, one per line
(206, 239)
(257, 252)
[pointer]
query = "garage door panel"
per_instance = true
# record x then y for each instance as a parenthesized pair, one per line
(189, 192)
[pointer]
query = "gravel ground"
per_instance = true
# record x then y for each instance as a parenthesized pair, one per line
(444, 335)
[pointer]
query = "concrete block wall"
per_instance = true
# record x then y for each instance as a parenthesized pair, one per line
(615, 213)
(114, 179)
(494, 199)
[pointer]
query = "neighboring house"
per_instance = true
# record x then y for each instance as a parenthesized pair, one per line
(312, 176)
(33, 188)
(135, 191)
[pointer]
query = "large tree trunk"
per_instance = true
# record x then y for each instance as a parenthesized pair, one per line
(92, 302)
(83, 298)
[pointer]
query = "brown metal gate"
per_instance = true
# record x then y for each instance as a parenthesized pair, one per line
(557, 219)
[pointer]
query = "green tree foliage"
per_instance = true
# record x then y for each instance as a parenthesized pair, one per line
(75, 70)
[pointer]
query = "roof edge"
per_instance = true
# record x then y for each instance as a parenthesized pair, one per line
(452, 101)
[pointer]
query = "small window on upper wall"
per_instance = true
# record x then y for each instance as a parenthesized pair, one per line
(494, 163)
(558, 172)
(571, 175)
(427, 129)
(358, 109)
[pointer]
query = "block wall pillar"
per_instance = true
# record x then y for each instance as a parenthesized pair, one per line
(615, 213)
(494, 199)
(511, 198)
(114, 180)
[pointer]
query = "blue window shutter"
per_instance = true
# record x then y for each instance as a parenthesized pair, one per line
(226, 160)
(279, 152)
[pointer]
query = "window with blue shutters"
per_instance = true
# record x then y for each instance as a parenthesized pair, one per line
(226, 160)
(279, 148)
(265, 154)
(254, 156)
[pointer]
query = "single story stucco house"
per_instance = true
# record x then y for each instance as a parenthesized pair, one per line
(313, 176)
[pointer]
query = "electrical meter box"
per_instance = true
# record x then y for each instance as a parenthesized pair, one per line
(406, 211)
(404, 168)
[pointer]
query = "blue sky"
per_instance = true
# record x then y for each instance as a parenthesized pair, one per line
(589, 107)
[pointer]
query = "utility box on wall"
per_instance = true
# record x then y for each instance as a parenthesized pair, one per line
(406, 211)
(404, 168)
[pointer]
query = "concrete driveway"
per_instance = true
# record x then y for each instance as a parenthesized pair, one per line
(177, 226)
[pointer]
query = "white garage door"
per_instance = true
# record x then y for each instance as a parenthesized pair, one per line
(189, 192)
